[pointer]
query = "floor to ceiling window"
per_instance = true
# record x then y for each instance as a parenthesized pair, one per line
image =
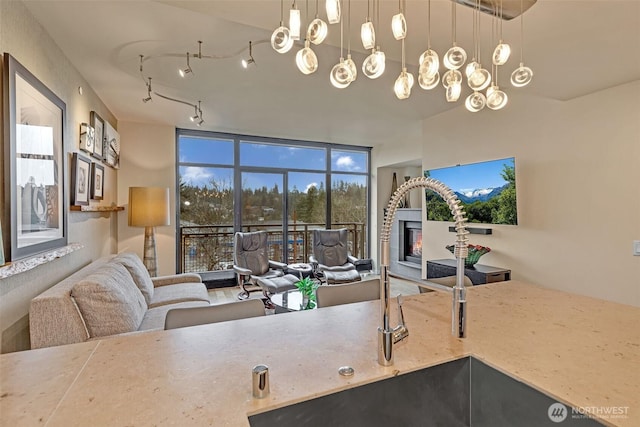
(228, 183)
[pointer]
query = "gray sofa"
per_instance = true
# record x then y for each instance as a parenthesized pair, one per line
(111, 296)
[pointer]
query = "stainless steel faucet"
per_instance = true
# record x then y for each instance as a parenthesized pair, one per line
(388, 336)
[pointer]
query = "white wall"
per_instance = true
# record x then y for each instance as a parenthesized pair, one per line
(147, 159)
(385, 160)
(23, 37)
(578, 187)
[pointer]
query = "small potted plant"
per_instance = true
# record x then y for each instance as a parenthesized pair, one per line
(307, 288)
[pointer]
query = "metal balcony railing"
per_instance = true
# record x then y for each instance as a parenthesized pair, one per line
(210, 247)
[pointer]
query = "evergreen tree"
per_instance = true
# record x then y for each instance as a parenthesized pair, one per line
(507, 211)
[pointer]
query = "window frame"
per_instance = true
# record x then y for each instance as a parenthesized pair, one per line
(237, 140)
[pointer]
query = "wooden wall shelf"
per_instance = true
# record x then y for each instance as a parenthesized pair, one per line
(97, 208)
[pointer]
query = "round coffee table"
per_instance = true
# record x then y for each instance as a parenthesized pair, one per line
(300, 269)
(287, 301)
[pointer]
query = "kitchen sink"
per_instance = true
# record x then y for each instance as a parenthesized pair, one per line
(463, 392)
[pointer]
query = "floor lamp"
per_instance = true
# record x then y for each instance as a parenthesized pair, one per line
(148, 208)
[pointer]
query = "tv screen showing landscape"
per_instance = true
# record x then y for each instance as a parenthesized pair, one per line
(487, 191)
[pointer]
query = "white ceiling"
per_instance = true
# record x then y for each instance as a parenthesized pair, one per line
(574, 48)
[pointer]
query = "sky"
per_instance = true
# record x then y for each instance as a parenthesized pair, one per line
(473, 176)
(201, 151)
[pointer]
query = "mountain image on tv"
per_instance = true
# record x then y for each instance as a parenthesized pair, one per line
(487, 191)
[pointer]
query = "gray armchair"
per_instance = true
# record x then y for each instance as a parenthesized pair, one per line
(251, 262)
(331, 256)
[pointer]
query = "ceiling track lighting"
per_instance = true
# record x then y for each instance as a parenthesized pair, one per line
(184, 72)
(246, 62)
(478, 79)
(197, 118)
(148, 98)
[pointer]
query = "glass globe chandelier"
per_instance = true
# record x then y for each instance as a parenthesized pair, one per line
(522, 75)
(483, 83)
(374, 65)
(334, 11)
(341, 74)
(294, 21)
(281, 40)
(367, 31)
(318, 30)
(399, 22)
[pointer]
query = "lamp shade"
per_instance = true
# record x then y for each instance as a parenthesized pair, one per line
(148, 206)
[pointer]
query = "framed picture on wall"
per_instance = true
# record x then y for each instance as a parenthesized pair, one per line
(34, 219)
(97, 181)
(80, 179)
(98, 126)
(87, 138)
(111, 146)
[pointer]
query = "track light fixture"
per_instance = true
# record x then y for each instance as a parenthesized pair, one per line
(197, 117)
(148, 98)
(185, 71)
(246, 62)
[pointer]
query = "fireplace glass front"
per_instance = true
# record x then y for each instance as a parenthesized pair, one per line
(413, 242)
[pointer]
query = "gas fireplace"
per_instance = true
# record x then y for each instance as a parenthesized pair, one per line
(405, 252)
(412, 242)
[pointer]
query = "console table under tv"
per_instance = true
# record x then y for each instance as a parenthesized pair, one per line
(479, 274)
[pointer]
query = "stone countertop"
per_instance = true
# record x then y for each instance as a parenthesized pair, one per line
(583, 351)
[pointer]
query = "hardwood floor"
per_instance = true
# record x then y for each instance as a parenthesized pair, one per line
(224, 295)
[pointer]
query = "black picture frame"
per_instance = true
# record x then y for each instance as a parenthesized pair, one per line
(111, 146)
(34, 218)
(97, 123)
(80, 180)
(87, 138)
(97, 181)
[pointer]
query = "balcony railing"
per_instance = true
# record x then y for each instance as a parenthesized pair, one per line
(210, 247)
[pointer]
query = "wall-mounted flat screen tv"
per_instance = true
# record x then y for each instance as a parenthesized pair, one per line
(487, 191)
